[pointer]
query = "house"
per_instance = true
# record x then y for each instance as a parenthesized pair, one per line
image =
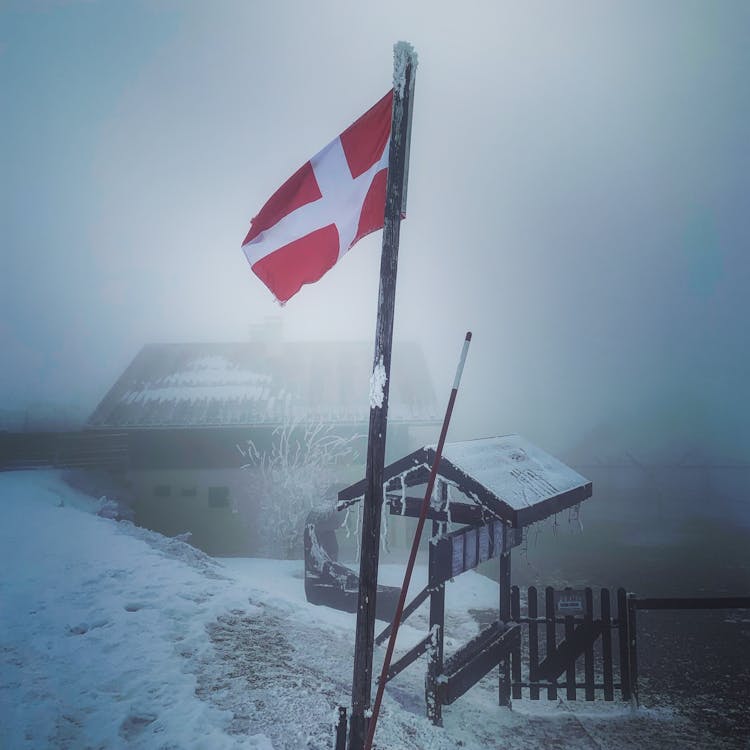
(195, 414)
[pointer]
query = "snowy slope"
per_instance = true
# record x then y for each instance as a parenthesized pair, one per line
(100, 622)
(116, 637)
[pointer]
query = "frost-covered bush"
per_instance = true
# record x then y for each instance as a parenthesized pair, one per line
(291, 479)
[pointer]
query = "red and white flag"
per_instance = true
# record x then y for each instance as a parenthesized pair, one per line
(328, 204)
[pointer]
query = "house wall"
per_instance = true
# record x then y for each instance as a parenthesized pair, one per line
(193, 480)
(204, 502)
(217, 506)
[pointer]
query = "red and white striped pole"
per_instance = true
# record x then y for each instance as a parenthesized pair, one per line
(415, 544)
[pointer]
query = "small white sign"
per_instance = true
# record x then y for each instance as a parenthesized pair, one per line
(571, 602)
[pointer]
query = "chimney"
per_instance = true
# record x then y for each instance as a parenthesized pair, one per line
(269, 332)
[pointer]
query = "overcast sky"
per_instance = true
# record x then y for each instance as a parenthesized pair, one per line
(578, 198)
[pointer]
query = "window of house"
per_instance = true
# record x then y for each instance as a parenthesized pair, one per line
(162, 490)
(189, 492)
(218, 497)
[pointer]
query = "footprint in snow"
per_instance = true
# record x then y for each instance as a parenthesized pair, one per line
(84, 627)
(134, 724)
(79, 629)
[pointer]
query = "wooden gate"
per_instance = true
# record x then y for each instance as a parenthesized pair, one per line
(571, 641)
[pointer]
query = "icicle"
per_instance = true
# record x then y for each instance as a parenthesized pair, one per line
(538, 531)
(356, 532)
(384, 528)
(448, 508)
(525, 548)
(576, 516)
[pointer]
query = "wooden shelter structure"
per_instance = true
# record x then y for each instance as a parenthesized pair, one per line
(504, 477)
(503, 484)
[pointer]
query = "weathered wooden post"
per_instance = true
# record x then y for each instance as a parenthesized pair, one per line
(515, 659)
(403, 90)
(504, 666)
(633, 649)
(437, 618)
(341, 729)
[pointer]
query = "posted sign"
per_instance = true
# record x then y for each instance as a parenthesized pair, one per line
(463, 550)
(570, 603)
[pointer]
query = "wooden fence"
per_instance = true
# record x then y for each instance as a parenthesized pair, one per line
(566, 642)
(575, 641)
(572, 642)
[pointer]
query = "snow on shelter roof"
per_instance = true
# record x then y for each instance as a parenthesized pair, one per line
(513, 479)
(261, 382)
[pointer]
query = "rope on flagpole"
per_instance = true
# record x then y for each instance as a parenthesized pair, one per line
(415, 545)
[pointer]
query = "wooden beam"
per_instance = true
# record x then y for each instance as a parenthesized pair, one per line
(721, 602)
(575, 644)
(477, 644)
(391, 474)
(463, 513)
(409, 657)
(547, 508)
(437, 617)
(412, 607)
(504, 677)
(479, 664)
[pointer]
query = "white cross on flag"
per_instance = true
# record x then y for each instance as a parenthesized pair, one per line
(327, 205)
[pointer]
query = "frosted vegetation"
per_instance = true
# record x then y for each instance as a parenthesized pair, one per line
(293, 477)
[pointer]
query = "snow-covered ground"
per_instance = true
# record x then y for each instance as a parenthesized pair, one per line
(116, 637)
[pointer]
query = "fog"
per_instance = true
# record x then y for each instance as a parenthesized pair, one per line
(577, 198)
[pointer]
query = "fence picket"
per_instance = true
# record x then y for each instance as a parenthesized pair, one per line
(533, 639)
(549, 614)
(515, 656)
(588, 657)
(570, 672)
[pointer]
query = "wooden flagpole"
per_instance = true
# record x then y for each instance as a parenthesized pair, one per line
(404, 69)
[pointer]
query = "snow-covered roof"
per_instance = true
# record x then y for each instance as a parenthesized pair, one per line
(510, 477)
(260, 382)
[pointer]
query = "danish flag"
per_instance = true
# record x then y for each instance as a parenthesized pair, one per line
(324, 208)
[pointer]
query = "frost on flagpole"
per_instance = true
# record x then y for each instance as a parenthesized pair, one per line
(403, 53)
(404, 62)
(377, 384)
